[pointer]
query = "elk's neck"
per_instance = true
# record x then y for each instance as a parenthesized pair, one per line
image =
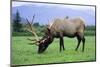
(50, 39)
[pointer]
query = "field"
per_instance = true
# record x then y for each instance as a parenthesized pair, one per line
(23, 53)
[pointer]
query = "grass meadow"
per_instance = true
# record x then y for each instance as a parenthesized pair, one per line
(23, 53)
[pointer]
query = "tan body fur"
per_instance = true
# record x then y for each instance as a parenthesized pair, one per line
(67, 27)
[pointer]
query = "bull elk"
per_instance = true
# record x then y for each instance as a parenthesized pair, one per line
(58, 29)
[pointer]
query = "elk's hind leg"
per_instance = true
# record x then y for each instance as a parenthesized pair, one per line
(83, 40)
(80, 36)
(79, 41)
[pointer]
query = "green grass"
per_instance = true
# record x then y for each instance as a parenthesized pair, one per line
(23, 53)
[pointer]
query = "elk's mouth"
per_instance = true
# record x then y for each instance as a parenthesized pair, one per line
(42, 48)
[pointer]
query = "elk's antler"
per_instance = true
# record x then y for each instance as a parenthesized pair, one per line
(32, 30)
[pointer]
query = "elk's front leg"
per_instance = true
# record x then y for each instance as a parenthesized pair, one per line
(61, 44)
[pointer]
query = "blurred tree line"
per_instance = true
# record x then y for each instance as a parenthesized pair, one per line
(18, 28)
(90, 30)
(16, 23)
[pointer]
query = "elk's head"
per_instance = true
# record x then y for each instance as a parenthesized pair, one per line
(42, 43)
(45, 41)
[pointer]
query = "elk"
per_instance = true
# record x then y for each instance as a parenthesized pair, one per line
(60, 28)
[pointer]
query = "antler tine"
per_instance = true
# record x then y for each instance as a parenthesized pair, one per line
(33, 18)
(30, 29)
(29, 24)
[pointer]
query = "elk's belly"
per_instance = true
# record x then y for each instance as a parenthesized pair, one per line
(71, 35)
